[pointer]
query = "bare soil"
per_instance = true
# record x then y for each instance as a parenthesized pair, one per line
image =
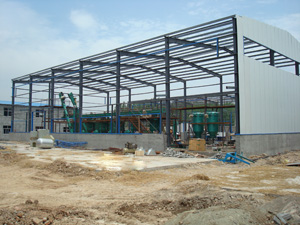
(33, 192)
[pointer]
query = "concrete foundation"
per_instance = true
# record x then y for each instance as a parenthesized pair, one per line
(102, 141)
(267, 143)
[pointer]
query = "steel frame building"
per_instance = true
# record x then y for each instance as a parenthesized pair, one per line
(213, 60)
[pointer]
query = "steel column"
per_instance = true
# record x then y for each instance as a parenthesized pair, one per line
(272, 61)
(107, 103)
(168, 105)
(118, 80)
(52, 102)
(236, 77)
(154, 95)
(80, 90)
(49, 103)
(221, 103)
(111, 119)
(185, 105)
(297, 68)
(13, 107)
(161, 112)
(30, 106)
(129, 99)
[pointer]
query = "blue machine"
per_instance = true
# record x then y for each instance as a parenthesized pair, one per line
(68, 144)
(233, 157)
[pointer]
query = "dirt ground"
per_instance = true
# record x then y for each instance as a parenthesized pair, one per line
(33, 192)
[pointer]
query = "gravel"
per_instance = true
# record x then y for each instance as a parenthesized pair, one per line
(172, 153)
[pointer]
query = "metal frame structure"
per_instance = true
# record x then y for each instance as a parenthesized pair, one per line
(196, 62)
(197, 53)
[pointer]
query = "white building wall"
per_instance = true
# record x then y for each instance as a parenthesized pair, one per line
(269, 36)
(269, 97)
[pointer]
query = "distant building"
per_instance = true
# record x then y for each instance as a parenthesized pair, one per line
(39, 113)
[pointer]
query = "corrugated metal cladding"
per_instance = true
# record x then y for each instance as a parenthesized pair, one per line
(269, 36)
(269, 97)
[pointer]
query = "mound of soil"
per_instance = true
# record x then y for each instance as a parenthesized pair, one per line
(32, 213)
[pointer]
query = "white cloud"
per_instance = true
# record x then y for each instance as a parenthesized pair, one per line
(138, 30)
(210, 9)
(84, 20)
(29, 42)
(290, 23)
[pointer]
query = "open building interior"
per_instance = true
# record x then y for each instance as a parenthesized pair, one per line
(232, 80)
(203, 82)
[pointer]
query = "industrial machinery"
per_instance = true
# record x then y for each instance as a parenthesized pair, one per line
(198, 118)
(130, 122)
(212, 119)
(63, 103)
(212, 124)
(75, 125)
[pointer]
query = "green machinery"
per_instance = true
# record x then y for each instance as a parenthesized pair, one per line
(62, 99)
(74, 126)
(101, 123)
(212, 123)
(212, 126)
(198, 117)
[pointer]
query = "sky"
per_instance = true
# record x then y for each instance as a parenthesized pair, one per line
(38, 34)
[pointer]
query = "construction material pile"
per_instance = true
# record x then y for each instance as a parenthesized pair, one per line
(173, 153)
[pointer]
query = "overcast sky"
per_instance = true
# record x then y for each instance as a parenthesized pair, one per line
(37, 34)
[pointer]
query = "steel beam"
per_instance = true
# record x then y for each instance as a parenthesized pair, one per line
(199, 44)
(88, 72)
(185, 62)
(113, 64)
(87, 87)
(216, 94)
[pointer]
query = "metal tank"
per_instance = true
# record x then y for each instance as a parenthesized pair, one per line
(213, 117)
(45, 143)
(198, 117)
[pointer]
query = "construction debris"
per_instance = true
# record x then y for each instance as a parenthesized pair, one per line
(150, 152)
(139, 152)
(282, 218)
(173, 153)
(130, 145)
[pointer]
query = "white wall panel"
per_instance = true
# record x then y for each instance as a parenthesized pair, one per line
(269, 99)
(269, 36)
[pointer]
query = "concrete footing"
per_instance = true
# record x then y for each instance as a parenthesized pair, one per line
(102, 141)
(267, 143)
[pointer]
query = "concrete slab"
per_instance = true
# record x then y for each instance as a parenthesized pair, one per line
(100, 160)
